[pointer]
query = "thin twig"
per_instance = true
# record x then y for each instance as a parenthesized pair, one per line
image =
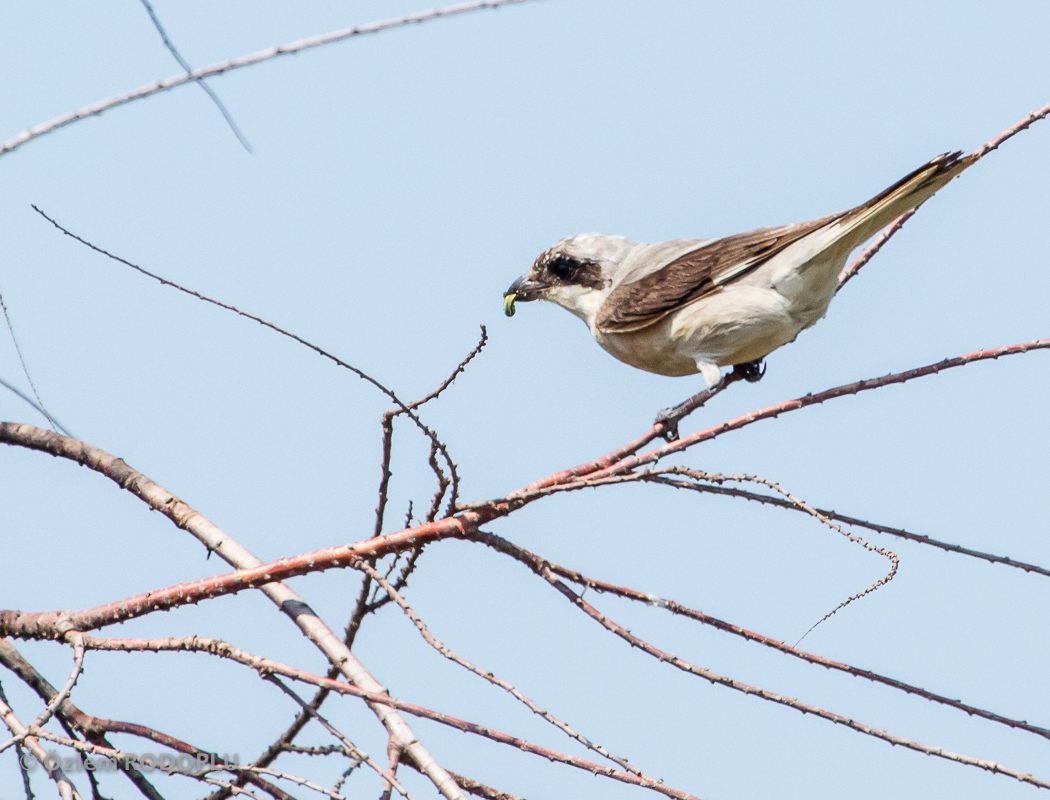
(66, 789)
(235, 554)
(200, 775)
(872, 526)
(493, 679)
(428, 432)
(26, 785)
(542, 568)
(267, 667)
(357, 751)
(199, 81)
(39, 404)
(463, 525)
(801, 505)
(770, 412)
(52, 705)
(887, 233)
(15, 390)
(243, 61)
(462, 365)
(767, 641)
(387, 425)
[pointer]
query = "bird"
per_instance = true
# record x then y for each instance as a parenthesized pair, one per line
(689, 306)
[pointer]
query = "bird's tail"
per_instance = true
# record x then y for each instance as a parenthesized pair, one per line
(864, 221)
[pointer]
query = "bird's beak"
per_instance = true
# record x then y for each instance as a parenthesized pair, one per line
(522, 289)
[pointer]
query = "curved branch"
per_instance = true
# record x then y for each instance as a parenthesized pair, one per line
(773, 411)
(855, 521)
(231, 551)
(542, 568)
(516, 693)
(243, 61)
(529, 559)
(265, 666)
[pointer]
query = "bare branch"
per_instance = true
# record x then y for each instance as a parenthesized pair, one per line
(267, 667)
(491, 678)
(462, 365)
(111, 752)
(353, 748)
(542, 568)
(60, 696)
(405, 409)
(243, 61)
(26, 785)
(39, 404)
(199, 81)
(15, 390)
(887, 233)
(767, 641)
(773, 411)
(231, 551)
(801, 505)
(860, 523)
(95, 728)
(66, 789)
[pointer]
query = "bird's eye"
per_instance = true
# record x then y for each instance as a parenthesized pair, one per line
(562, 268)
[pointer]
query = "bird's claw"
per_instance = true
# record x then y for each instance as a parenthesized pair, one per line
(669, 417)
(751, 371)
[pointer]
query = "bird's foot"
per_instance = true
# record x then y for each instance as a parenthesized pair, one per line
(670, 417)
(669, 420)
(751, 371)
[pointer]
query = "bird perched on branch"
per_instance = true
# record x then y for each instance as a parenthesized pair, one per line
(690, 306)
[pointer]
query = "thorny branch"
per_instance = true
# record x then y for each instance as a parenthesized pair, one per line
(364, 606)
(266, 667)
(491, 678)
(860, 523)
(353, 748)
(465, 525)
(231, 551)
(462, 525)
(625, 464)
(541, 568)
(94, 729)
(698, 475)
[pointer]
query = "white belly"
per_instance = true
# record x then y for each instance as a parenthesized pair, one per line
(740, 323)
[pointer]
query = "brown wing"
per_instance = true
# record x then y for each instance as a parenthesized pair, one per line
(702, 271)
(699, 272)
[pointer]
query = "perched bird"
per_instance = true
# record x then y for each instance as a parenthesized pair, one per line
(693, 305)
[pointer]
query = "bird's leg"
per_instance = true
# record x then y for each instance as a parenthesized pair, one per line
(751, 371)
(670, 417)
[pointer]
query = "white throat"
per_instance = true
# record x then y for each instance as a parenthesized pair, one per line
(582, 301)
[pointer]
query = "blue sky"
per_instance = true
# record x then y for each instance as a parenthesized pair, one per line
(399, 183)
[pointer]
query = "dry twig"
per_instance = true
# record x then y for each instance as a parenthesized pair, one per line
(297, 46)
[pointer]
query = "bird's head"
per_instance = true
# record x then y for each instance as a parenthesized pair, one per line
(577, 273)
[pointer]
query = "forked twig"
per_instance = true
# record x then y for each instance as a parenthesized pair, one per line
(540, 566)
(267, 667)
(698, 475)
(492, 678)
